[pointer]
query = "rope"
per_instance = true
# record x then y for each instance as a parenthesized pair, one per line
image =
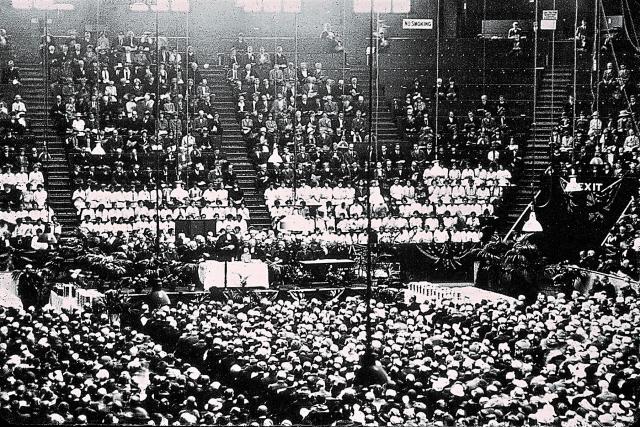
(633, 25)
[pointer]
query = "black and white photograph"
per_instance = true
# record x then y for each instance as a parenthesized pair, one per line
(349, 213)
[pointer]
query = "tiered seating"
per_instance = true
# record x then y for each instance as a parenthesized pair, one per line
(26, 220)
(435, 205)
(103, 196)
(112, 140)
(323, 140)
(602, 143)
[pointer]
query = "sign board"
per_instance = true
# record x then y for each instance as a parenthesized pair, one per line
(548, 24)
(417, 24)
(549, 15)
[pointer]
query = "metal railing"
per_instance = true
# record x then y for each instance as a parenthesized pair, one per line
(624, 213)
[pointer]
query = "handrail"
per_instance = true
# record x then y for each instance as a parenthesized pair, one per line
(524, 212)
(624, 212)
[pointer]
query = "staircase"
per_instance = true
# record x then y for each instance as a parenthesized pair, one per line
(56, 170)
(234, 147)
(551, 98)
(236, 151)
(387, 130)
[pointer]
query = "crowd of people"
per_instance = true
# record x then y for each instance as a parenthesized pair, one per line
(619, 252)
(603, 142)
(565, 360)
(568, 360)
(26, 220)
(105, 208)
(482, 132)
(436, 204)
(119, 103)
(124, 141)
(305, 134)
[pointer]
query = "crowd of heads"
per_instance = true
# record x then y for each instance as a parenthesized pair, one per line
(568, 360)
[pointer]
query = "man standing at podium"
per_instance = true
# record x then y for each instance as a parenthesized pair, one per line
(227, 245)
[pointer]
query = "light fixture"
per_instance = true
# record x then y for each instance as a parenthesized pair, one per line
(382, 6)
(43, 4)
(291, 6)
(362, 6)
(573, 186)
(22, 4)
(402, 6)
(62, 6)
(160, 6)
(180, 5)
(532, 225)
(139, 6)
(271, 6)
(252, 5)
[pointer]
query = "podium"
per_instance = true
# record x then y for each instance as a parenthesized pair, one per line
(233, 274)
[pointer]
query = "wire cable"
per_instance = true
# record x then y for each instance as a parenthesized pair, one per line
(624, 3)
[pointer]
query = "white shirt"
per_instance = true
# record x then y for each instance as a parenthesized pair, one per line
(440, 236)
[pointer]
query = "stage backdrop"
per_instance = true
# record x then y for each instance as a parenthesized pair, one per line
(239, 274)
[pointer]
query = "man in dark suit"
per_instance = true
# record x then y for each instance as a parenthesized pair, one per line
(80, 72)
(240, 45)
(279, 58)
(11, 75)
(226, 245)
(58, 115)
(305, 106)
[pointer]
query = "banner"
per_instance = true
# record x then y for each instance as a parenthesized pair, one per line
(238, 274)
(9, 291)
